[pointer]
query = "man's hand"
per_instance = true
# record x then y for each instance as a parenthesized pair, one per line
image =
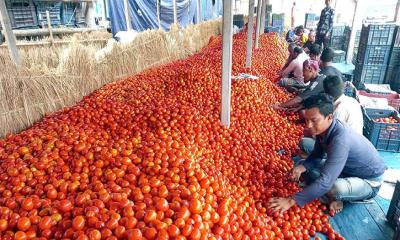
(280, 205)
(278, 107)
(297, 171)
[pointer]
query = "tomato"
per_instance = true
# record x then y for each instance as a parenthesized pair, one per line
(78, 223)
(24, 223)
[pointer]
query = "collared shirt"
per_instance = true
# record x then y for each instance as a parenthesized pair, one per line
(325, 23)
(296, 66)
(349, 154)
(314, 88)
(348, 110)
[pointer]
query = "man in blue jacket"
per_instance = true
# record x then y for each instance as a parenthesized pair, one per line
(352, 171)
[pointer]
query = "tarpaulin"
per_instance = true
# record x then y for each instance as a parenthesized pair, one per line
(143, 13)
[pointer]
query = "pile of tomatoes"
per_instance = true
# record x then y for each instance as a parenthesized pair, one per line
(147, 158)
(387, 120)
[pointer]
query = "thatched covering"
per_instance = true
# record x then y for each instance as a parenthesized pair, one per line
(54, 77)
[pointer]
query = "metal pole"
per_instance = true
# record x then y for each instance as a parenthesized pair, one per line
(263, 12)
(258, 22)
(10, 38)
(397, 14)
(250, 28)
(198, 11)
(226, 62)
(174, 10)
(350, 49)
(49, 26)
(127, 16)
(159, 13)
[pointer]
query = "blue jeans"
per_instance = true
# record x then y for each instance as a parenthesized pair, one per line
(348, 188)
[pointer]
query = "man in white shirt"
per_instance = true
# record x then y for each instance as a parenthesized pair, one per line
(296, 68)
(346, 109)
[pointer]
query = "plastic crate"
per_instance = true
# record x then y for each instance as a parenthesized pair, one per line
(393, 213)
(394, 59)
(311, 20)
(340, 56)
(54, 9)
(378, 34)
(368, 54)
(22, 14)
(278, 20)
(396, 40)
(68, 14)
(337, 42)
(338, 31)
(273, 30)
(395, 80)
(393, 99)
(391, 74)
(384, 136)
(374, 74)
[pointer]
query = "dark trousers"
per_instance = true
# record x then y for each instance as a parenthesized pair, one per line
(322, 41)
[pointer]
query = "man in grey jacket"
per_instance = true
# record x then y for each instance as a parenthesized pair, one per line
(352, 171)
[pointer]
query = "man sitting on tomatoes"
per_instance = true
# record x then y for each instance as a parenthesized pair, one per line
(352, 170)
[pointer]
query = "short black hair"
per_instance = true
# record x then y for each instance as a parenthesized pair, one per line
(333, 86)
(298, 50)
(299, 29)
(327, 55)
(315, 49)
(321, 101)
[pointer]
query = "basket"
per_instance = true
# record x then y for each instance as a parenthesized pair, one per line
(393, 98)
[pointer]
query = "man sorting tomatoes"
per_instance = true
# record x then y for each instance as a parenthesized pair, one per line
(344, 165)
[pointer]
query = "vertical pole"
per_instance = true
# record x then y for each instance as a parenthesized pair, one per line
(227, 25)
(350, 49)
(198, 13)
(49, 26)
(159, 13)
(127, 16)
(259, 6)
(263, 12)
(250, 28)
(174, 10)
(10, 38)
(397, 13)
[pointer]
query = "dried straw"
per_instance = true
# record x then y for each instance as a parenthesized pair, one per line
(53, 77)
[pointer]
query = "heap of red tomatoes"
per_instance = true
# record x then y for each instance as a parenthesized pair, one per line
(147, 158)
(387, 120)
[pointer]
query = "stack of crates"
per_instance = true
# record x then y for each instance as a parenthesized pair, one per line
(268, 12)
(22, 14)
(68, 13)
(54, 9)
(311, 21)
(393, 72)
(393, 214)
(373, 54)
(337, 38)
(238, 20)
(278, 22)
(356, 44)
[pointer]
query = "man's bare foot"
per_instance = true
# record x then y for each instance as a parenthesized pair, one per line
(336, 206)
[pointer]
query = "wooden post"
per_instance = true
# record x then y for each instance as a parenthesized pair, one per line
(49, 26)
(174, 10)
(10, 38)
(250, 28)
(350, 49)
(259, 6)
(127, 16)
(198, 13)
(227, 25)
(159, 13)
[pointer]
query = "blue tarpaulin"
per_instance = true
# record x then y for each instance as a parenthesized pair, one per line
(143, 13)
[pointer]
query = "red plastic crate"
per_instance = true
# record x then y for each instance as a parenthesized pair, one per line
(393, 98)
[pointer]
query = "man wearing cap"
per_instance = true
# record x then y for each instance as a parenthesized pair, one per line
(311, 75)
